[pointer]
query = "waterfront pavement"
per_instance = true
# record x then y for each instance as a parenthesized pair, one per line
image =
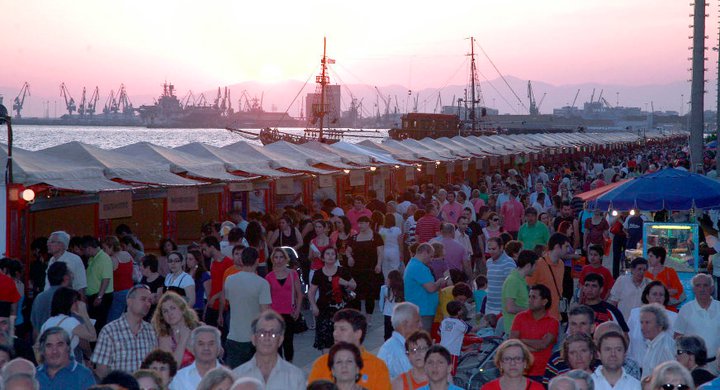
(305, 353)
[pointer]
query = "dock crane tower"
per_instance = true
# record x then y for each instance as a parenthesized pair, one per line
(20, 99)
(534, 110)
(69, 101)
(92, 103)
(82, 109)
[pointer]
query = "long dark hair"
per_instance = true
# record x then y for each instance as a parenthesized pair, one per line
(253, 234)
(397, 286)
(200, 260)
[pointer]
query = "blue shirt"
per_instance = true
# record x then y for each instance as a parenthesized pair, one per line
(712, 385)
(73, 376)
(479, 296)
(392, 352)
(417, 274)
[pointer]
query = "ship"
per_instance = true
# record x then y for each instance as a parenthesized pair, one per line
(318, 117)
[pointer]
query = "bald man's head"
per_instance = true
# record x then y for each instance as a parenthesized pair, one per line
(607, 326)
(18, 365)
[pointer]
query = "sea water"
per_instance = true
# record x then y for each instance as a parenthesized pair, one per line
(36, 137)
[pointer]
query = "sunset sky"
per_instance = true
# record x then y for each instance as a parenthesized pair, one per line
(416, 44)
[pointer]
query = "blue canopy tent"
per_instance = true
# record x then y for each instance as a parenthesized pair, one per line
(669, 189)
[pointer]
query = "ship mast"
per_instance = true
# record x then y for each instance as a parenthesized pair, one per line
(473, 76)
(323, 81)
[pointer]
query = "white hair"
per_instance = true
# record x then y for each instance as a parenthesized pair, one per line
(402, 312)
(247, 381)
(63, 237)
(558, 383)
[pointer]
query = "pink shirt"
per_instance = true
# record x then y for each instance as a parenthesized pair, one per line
(512, 212)
(353, 215)
(451, 212)
(282, 298)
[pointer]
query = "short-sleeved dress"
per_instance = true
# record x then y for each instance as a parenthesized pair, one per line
(365, 255)
(330, 300)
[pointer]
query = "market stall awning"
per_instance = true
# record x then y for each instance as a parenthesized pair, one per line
(593, 194)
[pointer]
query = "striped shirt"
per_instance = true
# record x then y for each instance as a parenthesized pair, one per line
(427, 228)
(497, 271)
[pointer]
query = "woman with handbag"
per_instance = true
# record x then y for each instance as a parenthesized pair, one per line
(327, 295)
(287, 297)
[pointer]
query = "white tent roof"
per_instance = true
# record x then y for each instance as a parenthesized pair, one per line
(375, 154)
(117, 165)
(232, 161)
(182, 162)
(445, 149)
(275, 160)
(311, 156)
(401, 153)
(30, 168)
(346, 156)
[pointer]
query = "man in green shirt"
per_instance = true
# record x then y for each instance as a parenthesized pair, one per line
(515, 289)
(533, 233)
(99, 281)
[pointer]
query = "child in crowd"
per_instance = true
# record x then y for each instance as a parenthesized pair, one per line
(480, 293)
(595, 255)
(453, 330)
(391, 293)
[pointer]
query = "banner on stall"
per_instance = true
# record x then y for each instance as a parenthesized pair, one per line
(182, 199)
(325, 181)
(430, 169)
(357, 177)
(115, 205)
(409, 173)
(284, 186)
(465, 165)
(240, 187)
(450, 167)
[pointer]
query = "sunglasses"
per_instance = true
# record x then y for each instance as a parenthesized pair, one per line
(682, 351)
(670, 386)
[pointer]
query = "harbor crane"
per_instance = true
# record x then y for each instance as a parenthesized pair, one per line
(123, 102)
(69, 101)
(83, 101)
(534, 110)
(575, 100)
(188, 100)
(20, 99)
(110, 103)
(386, 101)
(92, 103)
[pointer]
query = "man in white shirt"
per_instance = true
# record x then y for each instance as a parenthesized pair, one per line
(701, 316)
(654, 324)
(57, 246)
(626, 293)
(205, 345)
(266, 365)
(405, 321)
(611, 375)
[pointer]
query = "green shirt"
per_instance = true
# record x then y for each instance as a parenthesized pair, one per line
(532, 236)
(516, 288)
(99, 267)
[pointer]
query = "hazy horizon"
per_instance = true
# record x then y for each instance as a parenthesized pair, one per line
(422, 46)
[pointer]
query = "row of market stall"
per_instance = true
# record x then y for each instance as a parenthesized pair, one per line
(169, 192)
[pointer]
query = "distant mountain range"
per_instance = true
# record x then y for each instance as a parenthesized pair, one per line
(673, 96)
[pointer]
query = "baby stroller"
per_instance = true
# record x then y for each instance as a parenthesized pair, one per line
(476, 366)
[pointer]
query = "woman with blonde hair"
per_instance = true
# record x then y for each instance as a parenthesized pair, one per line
(671, 375)
(173, 321)
(513, 359)
(287, 297)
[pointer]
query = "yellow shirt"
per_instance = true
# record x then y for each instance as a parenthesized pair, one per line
(373, 376)
(445, 297)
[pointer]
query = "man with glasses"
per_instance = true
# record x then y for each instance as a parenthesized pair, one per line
(58, 370)
(124, 343)
(57, 247)
(205, 346)
(701, 316)
(266, 365)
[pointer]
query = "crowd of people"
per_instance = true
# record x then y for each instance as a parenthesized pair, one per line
(512, 255)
